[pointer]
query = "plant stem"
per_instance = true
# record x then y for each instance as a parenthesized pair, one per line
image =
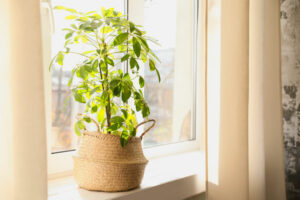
(107, 108)
(108, 112)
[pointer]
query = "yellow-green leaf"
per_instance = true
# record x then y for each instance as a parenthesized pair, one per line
(60, 58)
(70, 17)
(106, 29)
(88, 52)
(101, 114)
(84, 39)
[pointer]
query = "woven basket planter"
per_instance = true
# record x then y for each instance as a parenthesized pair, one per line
(102, 164)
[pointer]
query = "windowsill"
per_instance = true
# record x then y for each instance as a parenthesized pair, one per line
(173, 177)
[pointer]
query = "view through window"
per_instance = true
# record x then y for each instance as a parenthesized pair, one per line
(171, 101)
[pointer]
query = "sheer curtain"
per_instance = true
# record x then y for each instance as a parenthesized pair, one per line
(23, 171)
(249, 162)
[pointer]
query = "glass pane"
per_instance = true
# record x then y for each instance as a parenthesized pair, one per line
(64, 108)
(171, 101)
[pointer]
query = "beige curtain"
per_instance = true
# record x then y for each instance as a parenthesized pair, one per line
(249, 162)
(23, 173)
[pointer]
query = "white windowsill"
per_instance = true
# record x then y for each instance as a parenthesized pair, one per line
(173, 177)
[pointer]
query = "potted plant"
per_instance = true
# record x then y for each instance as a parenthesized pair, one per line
(111, 158)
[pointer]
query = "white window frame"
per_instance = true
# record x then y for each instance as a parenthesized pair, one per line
(61, 164)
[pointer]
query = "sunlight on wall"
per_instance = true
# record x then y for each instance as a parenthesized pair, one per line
(6, 172)
(213, 88)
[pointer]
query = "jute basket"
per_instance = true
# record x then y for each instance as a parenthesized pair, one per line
(102, 164)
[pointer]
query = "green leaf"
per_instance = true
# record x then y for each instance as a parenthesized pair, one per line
(78, 126)
(95, 64)
(124, 113)
(101, 115)
(138, 105)
(137, 95)
(88, 68)
(158, 75)
(76, 39)
(86, 26)
(144, 43)
(109, 61)
(67, 50)
(114, 109)
(125, 58)
(94, 109)
(82, 73)
(141, 81)
(68, 35)
(131, 27)
(155, 56)
(103, 99)
(138, 32)
(114, 127)
(60, 58)
(124, 138)
(133, 132)
(146, 111)
(117, 91)
(117, 120)
(152, 65)
(67, 42)
(72, 77)
(52, 61)
(103, 65)
(79, 97)
(133, 62)
(87, 119)
(114, 83)
(144, 57)
(74, 26)
(126, 93)
(120, 39)
(96, 89)
(136, 47)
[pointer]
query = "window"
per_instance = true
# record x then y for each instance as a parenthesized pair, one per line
(173, 102)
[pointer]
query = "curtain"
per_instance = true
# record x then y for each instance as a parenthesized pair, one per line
(23, 169)
(249, 162)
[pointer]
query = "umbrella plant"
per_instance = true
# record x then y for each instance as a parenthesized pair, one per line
(112, 95)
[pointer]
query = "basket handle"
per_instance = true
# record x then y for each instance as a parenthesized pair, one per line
(94, 121)
(148, 129)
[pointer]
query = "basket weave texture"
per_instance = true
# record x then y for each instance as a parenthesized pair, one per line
(102, 164)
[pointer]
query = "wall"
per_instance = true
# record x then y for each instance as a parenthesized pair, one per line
(197, 197)
(290, 49)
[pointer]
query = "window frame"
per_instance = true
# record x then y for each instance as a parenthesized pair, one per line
(61, 164)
